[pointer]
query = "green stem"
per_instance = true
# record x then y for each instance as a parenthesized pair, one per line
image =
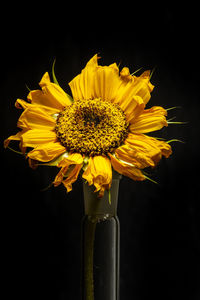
(89, 258)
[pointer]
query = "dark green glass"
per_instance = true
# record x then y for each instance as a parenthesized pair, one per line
(101, 244)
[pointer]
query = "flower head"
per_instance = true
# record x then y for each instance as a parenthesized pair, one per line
(104, 127)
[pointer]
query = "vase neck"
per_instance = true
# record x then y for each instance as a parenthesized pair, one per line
(105, 206)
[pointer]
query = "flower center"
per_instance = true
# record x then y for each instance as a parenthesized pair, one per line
(91, 127)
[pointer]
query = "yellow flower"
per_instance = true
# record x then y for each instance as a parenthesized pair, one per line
(103, 128)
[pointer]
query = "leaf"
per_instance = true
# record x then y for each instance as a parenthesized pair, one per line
(56, 81)
(109, 196)
(136, 71)
(175, 140)
(148, 178)
(152, 72)
(47, 188)
(53, 73)
(174, 107)
(15, 151)
(28, 88)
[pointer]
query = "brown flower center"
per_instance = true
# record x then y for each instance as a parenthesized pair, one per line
(91, 127)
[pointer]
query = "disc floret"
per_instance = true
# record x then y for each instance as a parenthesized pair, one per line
(91, 127)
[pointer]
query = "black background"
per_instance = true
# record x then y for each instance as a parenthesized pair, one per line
(40, 232)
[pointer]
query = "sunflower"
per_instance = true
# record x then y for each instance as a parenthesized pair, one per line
(103, 126)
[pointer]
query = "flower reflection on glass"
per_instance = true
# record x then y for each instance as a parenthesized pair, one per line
(102, 126)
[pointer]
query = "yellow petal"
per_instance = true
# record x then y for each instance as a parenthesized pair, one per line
(125, 74)
(82, 85)
(70, 168)
(33, 164)
(146, 75)
(132, 108)
(16, 137)
(148, 148)
(52, 95)
(37, 97)
(104, 82)
(59, 177)
(36, 137)
(134, 86)
(142, 151)
(132, 155)
(22, 104)
(96, 81)
(150, 120)
(164, 147)
(36, 118)
(72, 177)
(143, 86)
(47, 152)
(126, 169)
(99, 173)
(71, 159)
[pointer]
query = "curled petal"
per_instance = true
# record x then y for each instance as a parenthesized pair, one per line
(22, 104)
(143, 151)
(164, 147)
(16, 137)
(32, 138)
(132, 108)
(125, 74)
(72, 177)
(135, 86)
(35, 117)
(73, 158)
(104, 82)
(133, 156)
(150, 120)
(70, 168)
(51, 96)
(149, 146)
(99, 173)
(46, 152)
(126, 169)
(59, 177)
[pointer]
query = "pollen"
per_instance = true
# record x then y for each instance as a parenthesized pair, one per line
(91, 127)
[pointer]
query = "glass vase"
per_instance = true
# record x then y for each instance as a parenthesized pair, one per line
(101, 244)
